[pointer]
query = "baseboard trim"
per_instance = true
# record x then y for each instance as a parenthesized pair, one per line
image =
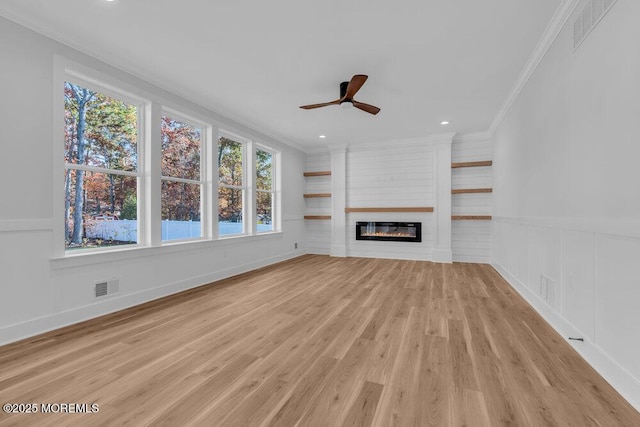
(417, 256)
(619, 378)
(474, 259)
(316, 251)
(31, 328)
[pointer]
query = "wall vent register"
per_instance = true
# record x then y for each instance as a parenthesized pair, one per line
(107, 287)
(389, 231)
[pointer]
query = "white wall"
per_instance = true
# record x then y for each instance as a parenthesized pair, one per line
(566, 229)
(39, 293)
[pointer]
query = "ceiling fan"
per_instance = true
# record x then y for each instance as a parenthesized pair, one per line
(347, 92)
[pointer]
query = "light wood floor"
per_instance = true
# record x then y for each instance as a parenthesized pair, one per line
(318, 341)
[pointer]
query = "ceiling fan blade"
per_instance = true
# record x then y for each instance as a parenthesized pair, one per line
(354, 85)
(324, 104)
(366, 107)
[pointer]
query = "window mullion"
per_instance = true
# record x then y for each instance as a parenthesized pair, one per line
(249, 181)
(101, 170)
(233, 187)
(153, 176)
(210, 208)
(184, 180)
(276, 188)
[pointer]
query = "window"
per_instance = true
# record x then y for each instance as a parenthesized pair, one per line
(101, 169)
(265, 194)
(130, 180)
(231, 189)
(181, 179)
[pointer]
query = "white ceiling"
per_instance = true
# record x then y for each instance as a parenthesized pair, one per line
(257, 61)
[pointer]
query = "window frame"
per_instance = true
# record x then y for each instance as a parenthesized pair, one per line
(106, 89)
(273, 191)
(203, 182)
(245, 187)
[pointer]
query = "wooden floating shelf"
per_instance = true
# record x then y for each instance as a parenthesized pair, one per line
(314, 195)
(320, 173)
(471, 164)
(471, 217)
(317, 217)
(422, 209)
(471, 190)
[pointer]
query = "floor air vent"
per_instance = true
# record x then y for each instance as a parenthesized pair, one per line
(108, 287)
(588, 18)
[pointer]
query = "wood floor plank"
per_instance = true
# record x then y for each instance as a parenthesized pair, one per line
(397, 404)
(320, 341)
(364, 407)
(387, 345)
(341, 389)
(434, 384)
(302, 396)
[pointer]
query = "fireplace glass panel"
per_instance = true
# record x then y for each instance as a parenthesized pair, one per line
(389, 231)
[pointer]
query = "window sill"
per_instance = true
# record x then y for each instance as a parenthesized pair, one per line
(93, 258)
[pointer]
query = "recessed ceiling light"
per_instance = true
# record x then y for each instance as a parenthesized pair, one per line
(444, 123)
(322, 136)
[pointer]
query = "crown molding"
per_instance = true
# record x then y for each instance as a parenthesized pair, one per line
(557, 22)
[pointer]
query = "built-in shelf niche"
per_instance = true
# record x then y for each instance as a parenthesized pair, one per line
(317, 217)
(457, 165)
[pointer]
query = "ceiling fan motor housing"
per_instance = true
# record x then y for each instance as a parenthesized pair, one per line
(343, 91)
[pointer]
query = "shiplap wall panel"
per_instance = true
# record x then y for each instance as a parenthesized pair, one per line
(479, 177)
(471, 204)
(473, 236)
(318, 231)
(471, 240)
(318, 236)
(394, 175)
(471, 150)
(400, 175)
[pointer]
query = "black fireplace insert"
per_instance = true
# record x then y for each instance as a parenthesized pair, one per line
(389, 231)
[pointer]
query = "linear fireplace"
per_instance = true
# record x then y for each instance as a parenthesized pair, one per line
(389, 231)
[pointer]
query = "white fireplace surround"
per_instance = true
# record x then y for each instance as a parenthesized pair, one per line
(407, 173)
